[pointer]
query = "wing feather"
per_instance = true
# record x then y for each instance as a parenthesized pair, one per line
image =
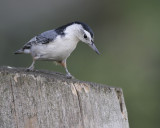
(43, 38)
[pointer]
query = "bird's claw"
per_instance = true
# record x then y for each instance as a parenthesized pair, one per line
(69, 76)
(29, 69)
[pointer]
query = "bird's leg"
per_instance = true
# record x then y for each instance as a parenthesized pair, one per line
(31, 68)
(68, 74)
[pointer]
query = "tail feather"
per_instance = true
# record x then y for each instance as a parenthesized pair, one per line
(20, 51)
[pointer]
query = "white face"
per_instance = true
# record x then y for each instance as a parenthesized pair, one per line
(81, 34)
(86, 37)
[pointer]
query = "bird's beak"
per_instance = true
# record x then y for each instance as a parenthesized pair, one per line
(94, 48)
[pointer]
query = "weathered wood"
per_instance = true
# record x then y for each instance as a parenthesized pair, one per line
(43, 99)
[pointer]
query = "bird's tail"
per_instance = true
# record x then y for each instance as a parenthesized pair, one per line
(20, 51)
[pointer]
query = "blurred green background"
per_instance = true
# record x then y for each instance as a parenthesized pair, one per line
(127, 33)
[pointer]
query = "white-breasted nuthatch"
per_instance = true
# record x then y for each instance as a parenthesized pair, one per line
(58, 44)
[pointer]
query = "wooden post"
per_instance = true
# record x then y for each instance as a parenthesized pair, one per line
(44, 99)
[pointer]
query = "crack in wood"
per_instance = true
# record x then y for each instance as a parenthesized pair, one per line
(80, 107)
(13, 100)
(119, 96)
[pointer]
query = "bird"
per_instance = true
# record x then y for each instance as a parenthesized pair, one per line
(57, 44)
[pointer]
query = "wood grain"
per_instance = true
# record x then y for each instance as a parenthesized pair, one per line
(43, 99)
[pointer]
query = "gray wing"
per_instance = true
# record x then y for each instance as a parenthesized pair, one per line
(43, 38)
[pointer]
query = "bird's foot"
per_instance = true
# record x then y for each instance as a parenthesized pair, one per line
(69, 76)
(29, 69)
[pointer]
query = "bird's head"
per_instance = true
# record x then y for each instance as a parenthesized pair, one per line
(83, 32)
(86, 35)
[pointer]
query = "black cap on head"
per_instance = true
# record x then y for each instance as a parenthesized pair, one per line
(60, 30)
(86, 27)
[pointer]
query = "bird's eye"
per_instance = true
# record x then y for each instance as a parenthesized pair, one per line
(85, 36)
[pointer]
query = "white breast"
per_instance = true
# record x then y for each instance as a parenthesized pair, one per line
(58, 50)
